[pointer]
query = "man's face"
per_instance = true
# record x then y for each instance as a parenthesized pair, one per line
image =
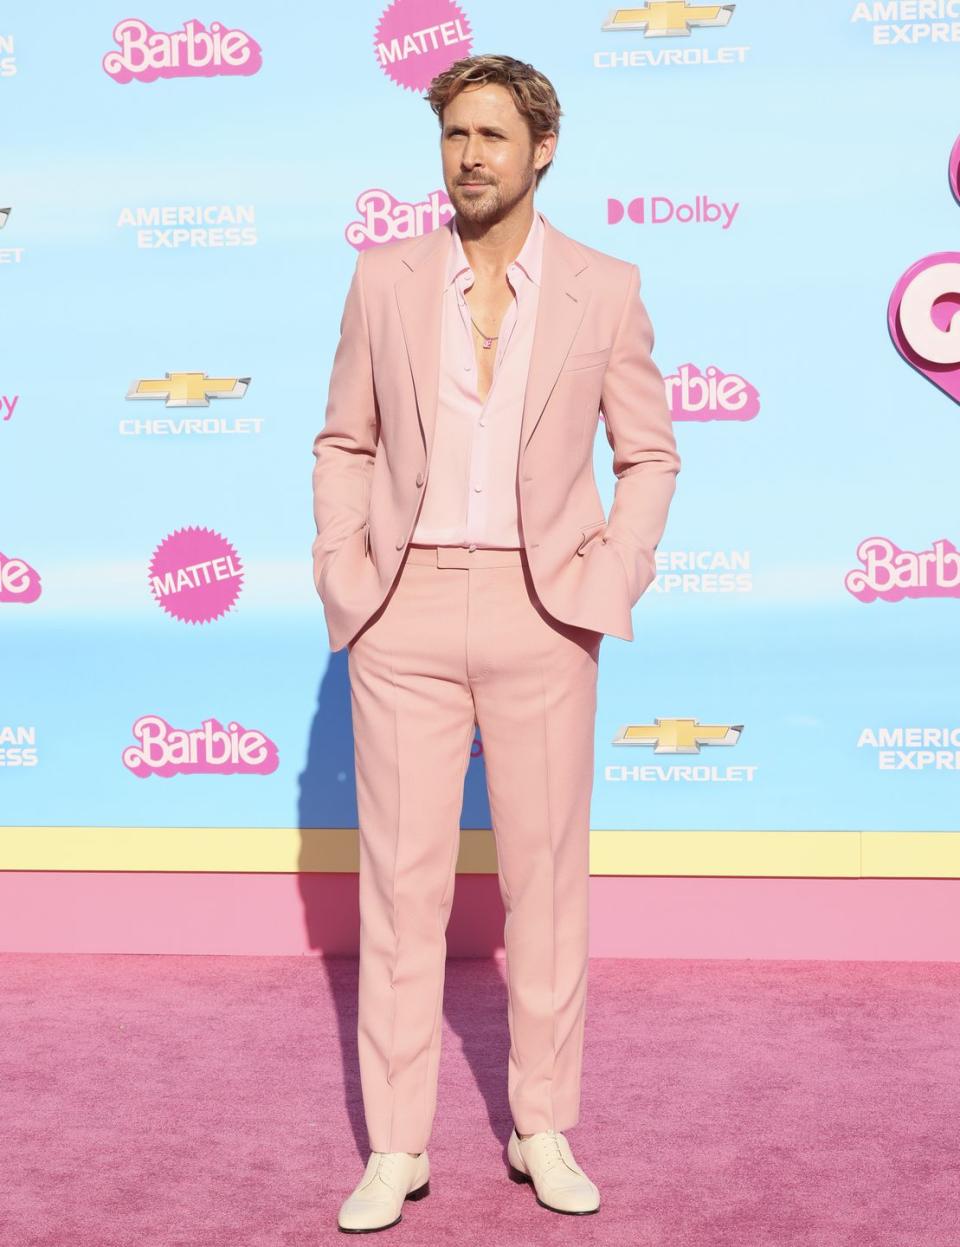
(489, 160)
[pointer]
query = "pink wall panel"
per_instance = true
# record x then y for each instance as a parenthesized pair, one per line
(288, 914)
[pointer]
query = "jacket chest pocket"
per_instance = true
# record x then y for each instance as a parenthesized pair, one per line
(586, 359)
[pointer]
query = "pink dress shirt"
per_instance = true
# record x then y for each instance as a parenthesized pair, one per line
(470, 495)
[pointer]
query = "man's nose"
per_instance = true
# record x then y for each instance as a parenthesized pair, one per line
(472, 153)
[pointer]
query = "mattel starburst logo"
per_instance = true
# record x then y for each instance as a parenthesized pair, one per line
(417, 39)
(196, 575)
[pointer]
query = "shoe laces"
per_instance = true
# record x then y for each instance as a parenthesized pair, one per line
(385, 1169)
(548, 1143)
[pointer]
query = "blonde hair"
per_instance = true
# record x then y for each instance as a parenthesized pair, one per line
(532, 92)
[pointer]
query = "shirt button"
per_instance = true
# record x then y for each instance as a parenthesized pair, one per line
(477, 489)
(473, 547)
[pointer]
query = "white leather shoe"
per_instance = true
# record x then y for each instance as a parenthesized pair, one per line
(545, 1160)
(389, 1178)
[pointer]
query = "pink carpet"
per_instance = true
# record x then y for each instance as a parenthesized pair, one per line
(175, 1101)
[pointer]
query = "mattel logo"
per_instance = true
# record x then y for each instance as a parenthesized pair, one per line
(417, 39)
(661, 209)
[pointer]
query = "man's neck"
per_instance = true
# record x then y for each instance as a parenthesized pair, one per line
(490, 250)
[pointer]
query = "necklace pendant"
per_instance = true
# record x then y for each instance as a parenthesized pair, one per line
(487, 343)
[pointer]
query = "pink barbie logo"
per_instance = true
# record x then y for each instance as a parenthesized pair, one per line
(195, 575)
(710, 395)
(921, 313)
(660, 210)
(148, 54)
(383, 218)
(19, 582)
(417, 39)
(893, 574)
(211, 749)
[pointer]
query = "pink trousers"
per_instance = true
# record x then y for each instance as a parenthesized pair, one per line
(463, 642)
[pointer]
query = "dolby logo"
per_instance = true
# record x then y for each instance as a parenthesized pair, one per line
(662, 210)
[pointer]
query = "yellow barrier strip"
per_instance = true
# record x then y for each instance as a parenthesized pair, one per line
(824, 854)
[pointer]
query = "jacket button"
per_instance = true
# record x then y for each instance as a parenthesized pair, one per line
(419, 478)
(400, 543)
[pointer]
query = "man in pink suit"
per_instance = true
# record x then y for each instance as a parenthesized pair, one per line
(464, 559)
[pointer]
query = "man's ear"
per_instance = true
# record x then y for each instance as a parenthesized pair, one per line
(546, 146)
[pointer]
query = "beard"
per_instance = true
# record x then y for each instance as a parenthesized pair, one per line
(490, 205)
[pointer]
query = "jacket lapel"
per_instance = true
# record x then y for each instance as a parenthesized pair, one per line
(560, 309)
(419, 297)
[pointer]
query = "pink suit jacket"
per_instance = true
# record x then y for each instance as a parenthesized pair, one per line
(591, 353)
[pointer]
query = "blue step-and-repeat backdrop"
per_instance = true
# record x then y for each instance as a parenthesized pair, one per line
(183, 193)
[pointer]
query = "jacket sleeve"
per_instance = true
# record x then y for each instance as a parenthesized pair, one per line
(345, 449)
(639, 427)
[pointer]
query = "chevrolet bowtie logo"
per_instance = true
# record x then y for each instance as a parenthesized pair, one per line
(678, 735)
(668, 17)
(189, 389)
